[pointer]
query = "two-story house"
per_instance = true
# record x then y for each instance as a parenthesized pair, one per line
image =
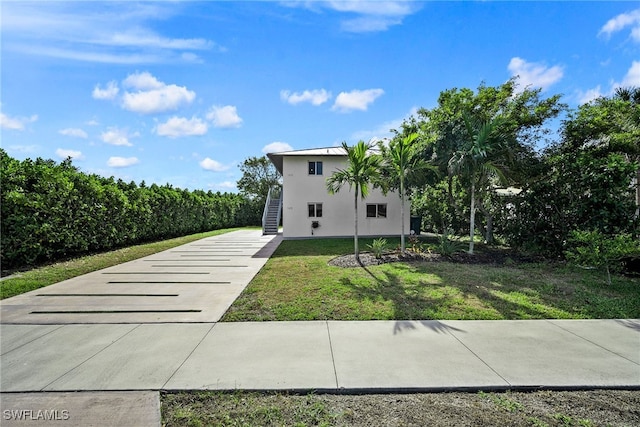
(309, 210)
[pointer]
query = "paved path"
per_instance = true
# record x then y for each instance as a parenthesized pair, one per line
(320, 355)
(196, 282)
(154, 343)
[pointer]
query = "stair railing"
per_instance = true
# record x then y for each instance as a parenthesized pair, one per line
(266, 210)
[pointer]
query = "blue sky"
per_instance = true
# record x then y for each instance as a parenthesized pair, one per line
(182, 92)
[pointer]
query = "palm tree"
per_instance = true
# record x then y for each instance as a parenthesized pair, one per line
(362, 169)
(479, 159)
(403, 163)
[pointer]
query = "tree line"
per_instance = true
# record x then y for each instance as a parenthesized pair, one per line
(52, 210)
(486, 162)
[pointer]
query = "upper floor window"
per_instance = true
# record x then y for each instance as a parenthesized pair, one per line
(377, 210)
(315, 210)
(315, 168)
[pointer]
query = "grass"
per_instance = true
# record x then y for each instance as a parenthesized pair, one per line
(539, 408)
(312, 290)
(53, 273)
(211, 408)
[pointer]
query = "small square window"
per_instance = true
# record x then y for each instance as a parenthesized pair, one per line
(315, 168)
(315, 210)
(377, 210)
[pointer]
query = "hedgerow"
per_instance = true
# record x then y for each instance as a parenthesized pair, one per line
(51, 210)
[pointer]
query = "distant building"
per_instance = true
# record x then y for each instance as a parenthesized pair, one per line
(309, 210)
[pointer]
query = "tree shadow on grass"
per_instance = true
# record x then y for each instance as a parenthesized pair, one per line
(407, 302)
(489, 298)
(543, 294)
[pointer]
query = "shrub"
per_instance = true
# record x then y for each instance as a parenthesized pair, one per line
(378, 247)
(594, 249)
(51, 211)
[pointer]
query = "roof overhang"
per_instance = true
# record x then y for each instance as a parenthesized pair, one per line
(278, 158)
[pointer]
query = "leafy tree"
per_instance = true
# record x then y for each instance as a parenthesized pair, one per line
(258, 176)
(443, 130)
(401, 164)
(481, 157)
(608, 125)
(594, 249)
(362, 170)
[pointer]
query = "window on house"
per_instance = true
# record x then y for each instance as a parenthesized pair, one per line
(315, 168)
(315, 210)
(377, 210)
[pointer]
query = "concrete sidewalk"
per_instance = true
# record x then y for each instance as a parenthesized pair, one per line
(322, 355)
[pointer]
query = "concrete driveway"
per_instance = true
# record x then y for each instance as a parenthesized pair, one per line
(196, 282)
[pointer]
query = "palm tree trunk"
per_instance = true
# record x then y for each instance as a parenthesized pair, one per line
(355, 234)
(472, 220)
(402, 243)
(488, 232)
(637, 194)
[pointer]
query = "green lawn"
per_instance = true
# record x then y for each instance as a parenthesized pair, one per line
(297, 284)
(53, 273)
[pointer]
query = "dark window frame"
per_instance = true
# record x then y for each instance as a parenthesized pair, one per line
(315, 167)
(314, 209)
(376, 210)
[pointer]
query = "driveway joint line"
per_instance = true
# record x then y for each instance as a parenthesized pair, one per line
(480, 359)
(333, 359)
(92, 356)
(164, 386)
(37, 338)
(591, 342)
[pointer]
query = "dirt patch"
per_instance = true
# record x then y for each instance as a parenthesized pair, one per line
(489, 256)
(542, 408)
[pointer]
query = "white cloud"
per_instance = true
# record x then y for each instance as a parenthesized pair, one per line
(225, 185)
(15, 123)
(142, 81)
(213, 165)
(534, 74)
(147, 38)
(356, 100)
(383, 131)
(224, 117)
(370, 16)
(153, 96)
(110, 92)
(122, 162)
(115, 136)
(276, 147)
(75, 132)
(26, 149)
(589, 95)
(632, 78)
(112, 33)
(74, 154)
(315, 97)
(181, 126)
(622, 21)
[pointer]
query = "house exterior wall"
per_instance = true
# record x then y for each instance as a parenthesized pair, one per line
(300, 188)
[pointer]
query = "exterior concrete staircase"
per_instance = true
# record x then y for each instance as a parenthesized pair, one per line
(271, 215)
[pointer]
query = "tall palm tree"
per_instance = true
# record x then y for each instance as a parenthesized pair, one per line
(483, 155)
(402, 163)
(361, 171)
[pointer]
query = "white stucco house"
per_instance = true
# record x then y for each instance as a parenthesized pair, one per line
(308, 210)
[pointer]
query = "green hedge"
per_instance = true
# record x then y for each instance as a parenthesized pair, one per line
(51, 211)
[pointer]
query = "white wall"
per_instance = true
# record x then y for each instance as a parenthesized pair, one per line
(300, 188)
